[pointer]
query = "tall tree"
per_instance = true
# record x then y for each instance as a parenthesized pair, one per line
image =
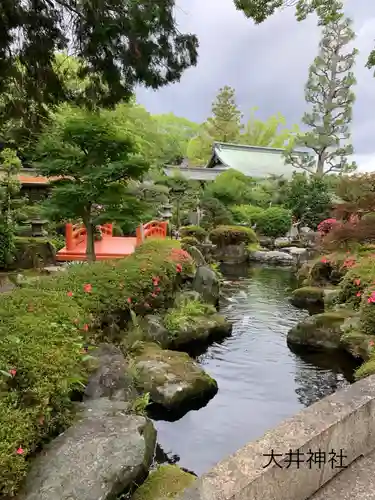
(118, 45)
(329, 92)
(225, 123)
(94, 161)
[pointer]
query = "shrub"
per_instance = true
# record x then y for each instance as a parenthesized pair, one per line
(232, 235)
(357, 280)
(274, 222)
(184, 315)
(246, 214)
(43, 327)
(193, 231)
(350, 234)
(326, 226)
(214, 213)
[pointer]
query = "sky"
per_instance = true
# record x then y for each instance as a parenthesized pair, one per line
(267, 65)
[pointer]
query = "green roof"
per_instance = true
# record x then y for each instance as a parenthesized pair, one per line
(253, 161)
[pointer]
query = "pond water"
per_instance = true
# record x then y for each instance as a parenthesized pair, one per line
(261, 381)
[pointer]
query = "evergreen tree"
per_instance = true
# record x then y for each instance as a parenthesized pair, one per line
(329, 92)
(225, 123)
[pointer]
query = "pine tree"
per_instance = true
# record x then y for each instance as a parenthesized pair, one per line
(225, 123)
(329, 92)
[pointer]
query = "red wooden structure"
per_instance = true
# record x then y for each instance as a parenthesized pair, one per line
(109, 247)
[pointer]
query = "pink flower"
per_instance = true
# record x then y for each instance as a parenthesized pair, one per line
(87, 288)
(358, 294)
(157, 290)
(155, 280)
(357, 282)
(70, 294)
(371, 343)
(324, 260)
(178, 268)
(154, 295)
(129, 300)
(13, 372)
(85, 327)
(20, 451)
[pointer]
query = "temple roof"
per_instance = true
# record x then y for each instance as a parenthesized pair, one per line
(252, 161)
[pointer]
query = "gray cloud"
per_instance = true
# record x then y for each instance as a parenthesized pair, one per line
(266, 64)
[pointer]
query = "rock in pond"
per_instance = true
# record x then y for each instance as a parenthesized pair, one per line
(206, 283)
(272, 257)
(307, 296)
(98, 458)
(173, 380)
(167, 482)
(110, 379)
(232, 254)
(321, 331)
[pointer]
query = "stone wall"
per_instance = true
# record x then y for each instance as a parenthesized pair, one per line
(343, 421)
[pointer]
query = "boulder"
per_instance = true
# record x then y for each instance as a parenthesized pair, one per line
(308, 296)
(172, 378)
(166, 482)
(272, 257)
(232, 254)
(321, 331)
(266, 242)
(207, 284)
(330, 296)
(282, 242)
(101, 456)
(197, 255)
(204, 329)
(154, 330)
(110, 379)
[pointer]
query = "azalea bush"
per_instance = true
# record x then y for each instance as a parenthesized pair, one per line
(232, 235)
(193, 231)
(350, 234)
(326, 226)
(274, 222)
(44, 330)
(356, 282)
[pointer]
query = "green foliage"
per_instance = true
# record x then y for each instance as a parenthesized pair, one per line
(44, 326)
(10, 205)
(189, 241)
(185, 315)
(231, 188)
(357, 280)
(225, 123)
(274, 222)
(308, 199)
(246, 214)
(215, 213)
(116, 49)
(196, 232)
(232, 235)
(96, 161)
(329, 91)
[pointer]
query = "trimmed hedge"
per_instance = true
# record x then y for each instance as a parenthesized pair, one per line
(193, 231)
(274, 222)
(43, 328)
(246, 214)
(232, 235)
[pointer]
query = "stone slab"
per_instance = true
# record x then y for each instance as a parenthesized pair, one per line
(357, 482)
(344, 421)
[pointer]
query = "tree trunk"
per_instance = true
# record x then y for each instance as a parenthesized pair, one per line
(320, 166)
(90, 241)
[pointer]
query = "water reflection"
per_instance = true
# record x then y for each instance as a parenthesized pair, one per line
(261, 381)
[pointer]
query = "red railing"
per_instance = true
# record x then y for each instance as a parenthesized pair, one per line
(153, 229)
(76, 233)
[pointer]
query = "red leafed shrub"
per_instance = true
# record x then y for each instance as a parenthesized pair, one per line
(326, 226)
(349, 233)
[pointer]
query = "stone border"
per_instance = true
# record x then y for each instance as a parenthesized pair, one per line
(343, 421)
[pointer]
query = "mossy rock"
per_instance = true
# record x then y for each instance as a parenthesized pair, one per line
(330, 297)
(33, 252)
(166, 482)
(365, 370)
(172, 378)
(321, 331)
(357, 344)
(307, 296)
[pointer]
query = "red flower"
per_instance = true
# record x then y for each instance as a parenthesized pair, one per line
(87, 288)
(178, 268)
(371, 343)
(155, 280)
(324, 260)
(358, 294)
(129, 300)
(20, 451)
(153, 295)
(13, 372)
(357, 282)
(85, 327)
(158, 290)
(70, 294)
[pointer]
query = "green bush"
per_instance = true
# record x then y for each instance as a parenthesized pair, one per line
(274, 222)
(43, 327)
(193, 231)
(215, 213)
(246, 214)
(356, 281)
(189, 241)
(232, 235)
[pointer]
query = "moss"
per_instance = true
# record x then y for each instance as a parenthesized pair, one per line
(307, 296)
(196, 232)
(366, 369)
(232, 235)
(167, 482)
(33, 252)
(357, 344)
(320, 331)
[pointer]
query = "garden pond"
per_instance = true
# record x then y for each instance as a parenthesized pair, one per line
(261, 381)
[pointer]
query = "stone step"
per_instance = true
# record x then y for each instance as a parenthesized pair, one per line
(357, 482)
